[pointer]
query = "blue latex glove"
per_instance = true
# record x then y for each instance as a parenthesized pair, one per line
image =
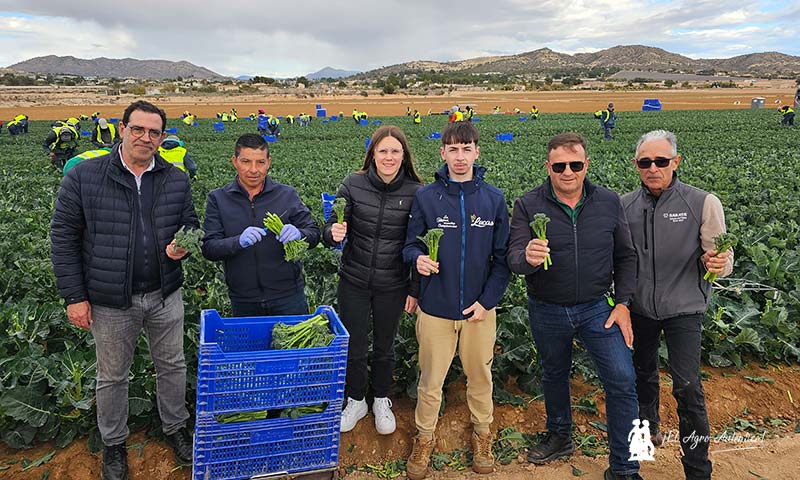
(251, 236)
(288, 233)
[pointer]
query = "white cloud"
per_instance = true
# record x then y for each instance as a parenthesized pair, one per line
(291, 38)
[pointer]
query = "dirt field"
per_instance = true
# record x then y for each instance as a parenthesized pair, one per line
(41, 105)
(727, 392)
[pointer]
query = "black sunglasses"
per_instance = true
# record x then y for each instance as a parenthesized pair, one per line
(661, 162)
(574, 166)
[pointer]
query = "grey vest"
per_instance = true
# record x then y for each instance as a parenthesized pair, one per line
(666, 236)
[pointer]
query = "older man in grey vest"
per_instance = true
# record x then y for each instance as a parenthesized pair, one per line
(673, 227)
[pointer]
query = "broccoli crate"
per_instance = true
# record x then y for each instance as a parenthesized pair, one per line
(239, 371)
(266, 447)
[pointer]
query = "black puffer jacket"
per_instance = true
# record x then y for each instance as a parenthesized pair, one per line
(92, 231)
(376, 216)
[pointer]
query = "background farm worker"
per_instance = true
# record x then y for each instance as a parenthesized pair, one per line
(60, 145)
(497, 110)
(458, 295)
(570, 298)
(676, 303)
(408, 110)
(252, 116)
(607, 119)
(189, 119)
(262, 122)
(224, 116)
(84, 117)
(788, 115)
(304, 119)
(363, 116)
(84, 156)
(260, 281)
(356, 115)
(289, 119)
(234, 116)
(95, 116)
(105, 134)
(133, 279)
(374, 286)
(470, 112)
(417, 117)
(457, 116)
(74, 123)
(273, 126)
(174, 151)
(18, 125)
(517, 111)
(534, 113)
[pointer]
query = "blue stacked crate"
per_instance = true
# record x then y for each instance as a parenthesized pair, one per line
(238, 372)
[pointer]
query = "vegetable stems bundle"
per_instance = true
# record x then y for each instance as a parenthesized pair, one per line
(189, 238)
(292, 412)
(314, 332)
(539, 226)
(292, 250)
(431, 240)
(722, 243)
(338, 208)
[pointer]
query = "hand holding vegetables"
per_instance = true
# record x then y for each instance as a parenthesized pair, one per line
(293, 245)
(715, 263)
(338, 208)
(338, 231)
(289, 233)
(427, 264)
(538, 246)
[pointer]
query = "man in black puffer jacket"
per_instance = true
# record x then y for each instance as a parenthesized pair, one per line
(118, 270)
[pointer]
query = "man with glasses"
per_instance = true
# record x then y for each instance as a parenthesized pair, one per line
(118, 271)
(673, 227)
(591, 249)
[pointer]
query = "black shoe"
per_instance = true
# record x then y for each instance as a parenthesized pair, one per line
(609, 475)
(181, 443)
(115, 462)
(552, 447)
(656, 436)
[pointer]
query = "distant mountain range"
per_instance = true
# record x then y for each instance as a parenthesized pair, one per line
(115, 67)
(624, 57)
(329, 72)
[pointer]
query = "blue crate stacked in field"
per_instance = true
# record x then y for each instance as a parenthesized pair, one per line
(239, 372)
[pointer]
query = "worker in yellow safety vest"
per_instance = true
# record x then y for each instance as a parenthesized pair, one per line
(356, 115)
(189, 119)
(788, 115)
(289, 119)
(417, 117)
(84, 156)
(60, 145)
(225, 116)
(534, 113)
(105, 134)
(18, 125)
(172, 150)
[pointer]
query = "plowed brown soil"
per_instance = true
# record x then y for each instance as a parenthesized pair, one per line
(728, 394)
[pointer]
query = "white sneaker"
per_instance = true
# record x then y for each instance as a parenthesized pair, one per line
(384, 418)
(353, 412)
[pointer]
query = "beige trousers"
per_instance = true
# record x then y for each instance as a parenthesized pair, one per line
(438, 338)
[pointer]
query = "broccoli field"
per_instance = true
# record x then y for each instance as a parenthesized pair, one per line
(47, 366)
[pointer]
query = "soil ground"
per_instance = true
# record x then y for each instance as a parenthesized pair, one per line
(728, 395)
(43, 105)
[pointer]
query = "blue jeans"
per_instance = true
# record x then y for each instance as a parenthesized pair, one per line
(116, 333)
(294, 304)
(554, 327)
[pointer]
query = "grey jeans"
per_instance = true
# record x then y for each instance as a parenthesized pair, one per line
(115, 334)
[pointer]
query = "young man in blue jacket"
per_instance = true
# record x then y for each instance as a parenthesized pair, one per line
(459, 292)
(589, 243)
(260, 281)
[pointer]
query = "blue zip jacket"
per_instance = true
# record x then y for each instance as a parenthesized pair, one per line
(260, 272)
(472, 251)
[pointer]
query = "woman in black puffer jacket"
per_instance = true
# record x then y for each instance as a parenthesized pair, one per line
(375, 284)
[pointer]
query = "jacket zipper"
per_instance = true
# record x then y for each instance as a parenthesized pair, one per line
(644, 226)
(378, 227)
(577, 275)
(255, 250)
(653, 256)
(463, 254)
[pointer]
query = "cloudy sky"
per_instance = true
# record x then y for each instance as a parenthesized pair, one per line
(291, 38)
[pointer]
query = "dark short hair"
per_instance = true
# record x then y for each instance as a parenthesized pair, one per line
(144, 106)
(460, 132)
(394, 132)
(568, 139)
(251, 140)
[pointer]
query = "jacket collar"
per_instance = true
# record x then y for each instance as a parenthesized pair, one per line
(235, 186)
(454, 188)
(380, 185)
(588, 188)
(118, 172)
(667, 191)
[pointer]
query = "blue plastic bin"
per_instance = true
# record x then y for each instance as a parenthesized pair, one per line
(113, 120)
(171, 130)
(475, 119)
(321, 113)
(363, 122)
(376, 122)
(504, 137)
(85, 133)
(318, 106)
(219, 127)
(435, 135)
(522, 119)
(325, 121)
(334, 118)
(262, 447)
(270, 138)
(238, 371)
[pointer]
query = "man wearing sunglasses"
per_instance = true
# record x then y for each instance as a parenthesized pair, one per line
(673, 227)
(118, 271)
(589, 243)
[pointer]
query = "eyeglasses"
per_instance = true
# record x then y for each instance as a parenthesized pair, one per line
(394, 152)
(138, 131)
(661, 162)
(562, 166)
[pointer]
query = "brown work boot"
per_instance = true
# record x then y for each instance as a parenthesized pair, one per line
(417, 464)
(482, 458)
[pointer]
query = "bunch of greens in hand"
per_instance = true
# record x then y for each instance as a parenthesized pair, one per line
(338, 208)
(431, 240)
(539, 226)
(722, 243)
(189, 238)
(293, 250)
